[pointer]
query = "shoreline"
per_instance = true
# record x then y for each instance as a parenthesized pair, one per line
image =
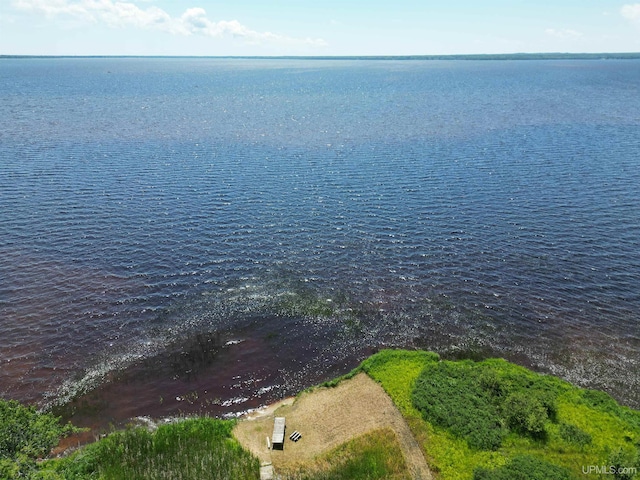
(427, 413)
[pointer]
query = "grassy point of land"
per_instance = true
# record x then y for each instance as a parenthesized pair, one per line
(479, 420)
(492, 419)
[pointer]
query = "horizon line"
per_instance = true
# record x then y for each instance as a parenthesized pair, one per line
(461, 56)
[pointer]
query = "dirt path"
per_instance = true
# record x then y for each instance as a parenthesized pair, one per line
(328, 417)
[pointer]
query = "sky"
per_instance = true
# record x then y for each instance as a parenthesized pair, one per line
(318, 27)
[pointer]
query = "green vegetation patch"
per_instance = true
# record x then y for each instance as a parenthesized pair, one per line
(191, 449)
(487, 420)
(483, 402)
(25, 436)
(604, 403)
(450, 396)
(524, 467)
(574, 435)
(458, 409)
(397, 370)
(376, 455)
(306, 302)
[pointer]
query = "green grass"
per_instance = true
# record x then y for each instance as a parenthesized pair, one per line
(524, 467)
(191, 449)
(397, 371)
(542, 419)
(374, 456)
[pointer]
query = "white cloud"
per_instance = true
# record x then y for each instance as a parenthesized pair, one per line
(194, 21)
(53, 8)
(631, 12)
(566, 34)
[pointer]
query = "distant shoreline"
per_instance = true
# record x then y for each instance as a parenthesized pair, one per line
(499, 56)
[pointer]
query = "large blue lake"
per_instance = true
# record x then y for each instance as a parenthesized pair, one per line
(211, 234)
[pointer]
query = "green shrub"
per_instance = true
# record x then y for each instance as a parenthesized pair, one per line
(25, 436)
(523, 467)
(448, 395)
(525, 414)
(572, 434)
(482, 401)
(490, 382)
(24, 430)
(623, 463)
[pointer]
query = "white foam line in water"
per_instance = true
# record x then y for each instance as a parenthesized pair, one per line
(97, 375)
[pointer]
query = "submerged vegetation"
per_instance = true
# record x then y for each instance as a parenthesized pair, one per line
(480, 420)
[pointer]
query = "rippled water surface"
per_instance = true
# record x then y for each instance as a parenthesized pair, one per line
(184, 235)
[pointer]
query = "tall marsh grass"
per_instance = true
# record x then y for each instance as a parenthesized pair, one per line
(193, 449)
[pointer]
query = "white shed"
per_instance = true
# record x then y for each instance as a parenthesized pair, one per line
(277, 439)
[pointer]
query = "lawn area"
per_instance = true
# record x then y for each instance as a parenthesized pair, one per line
(373, 456)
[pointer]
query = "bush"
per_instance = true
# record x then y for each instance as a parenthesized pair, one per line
(481, 402)
(490, 382)
(23, 430)
(572, 434)
(624, 463)
(448, 395)
(523, 467)
(25, 436)
(525, 414)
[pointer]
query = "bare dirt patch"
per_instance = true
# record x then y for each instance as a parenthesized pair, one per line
(327, 418)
